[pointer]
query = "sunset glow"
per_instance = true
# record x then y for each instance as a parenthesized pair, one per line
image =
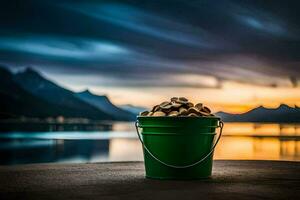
(230, 97)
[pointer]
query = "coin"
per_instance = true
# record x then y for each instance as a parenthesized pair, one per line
(193, 115)
(173, 113)
(144, 113)
(150, 114)
(174, 99)
(182, 100)
(206, 109)
(193, 110)
(204, 113)
(156, 108)
(199, 106)
(190, 104)
(183, 111)
(166, 110)
(165, 105)
(176, 105)
(159, 113)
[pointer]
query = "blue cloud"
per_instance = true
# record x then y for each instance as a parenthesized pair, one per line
(140, 21)
(260, 20)
(67, 48)
(141, 41)
(268, 26)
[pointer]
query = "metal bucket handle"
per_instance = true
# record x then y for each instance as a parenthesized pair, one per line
(221, 125)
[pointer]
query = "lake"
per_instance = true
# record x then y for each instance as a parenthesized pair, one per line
(247, 141)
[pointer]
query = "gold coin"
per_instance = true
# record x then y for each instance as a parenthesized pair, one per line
(193, 115)
(174, 99)
(199, 106)
(176, 105)
(206, 109)
(167, 110)
(144, 113)
(173, 113)
(193, 110)
(190, 104)
(181, 102)
(183, 99)
(204, 113)
(159, 113)
(182, 111)
(150, 114)
(156, 108)
(165, 105)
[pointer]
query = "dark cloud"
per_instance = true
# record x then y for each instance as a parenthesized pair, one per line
(150, 42)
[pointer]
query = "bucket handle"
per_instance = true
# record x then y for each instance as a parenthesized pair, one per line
(221, 125)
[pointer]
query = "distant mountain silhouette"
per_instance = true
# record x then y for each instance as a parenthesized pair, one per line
(29, 94)
(133, 109)
(104, 104)
(16, 102)
(37, 85)
(282, 114)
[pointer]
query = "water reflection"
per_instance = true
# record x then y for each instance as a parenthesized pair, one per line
(263, 130)
(43, 151)
(240, 141)
(125, 150)
(253, 148)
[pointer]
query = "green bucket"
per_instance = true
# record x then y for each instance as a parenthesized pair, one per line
(178, 147)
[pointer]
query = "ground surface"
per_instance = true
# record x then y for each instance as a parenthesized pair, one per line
(234, 180)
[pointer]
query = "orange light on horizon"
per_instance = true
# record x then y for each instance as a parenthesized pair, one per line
(232, 97)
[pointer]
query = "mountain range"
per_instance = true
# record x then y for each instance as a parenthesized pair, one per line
(103, 103)
(282, 114)
(16, 102)
(29, 94)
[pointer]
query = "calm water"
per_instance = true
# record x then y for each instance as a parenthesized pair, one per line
(239, 141)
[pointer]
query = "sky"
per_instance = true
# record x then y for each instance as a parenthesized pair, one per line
(231, 55)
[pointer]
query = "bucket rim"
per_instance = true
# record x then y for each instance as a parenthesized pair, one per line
(178, 117)
(173, 133)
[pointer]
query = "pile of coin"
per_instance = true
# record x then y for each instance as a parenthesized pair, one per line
(178, 106)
